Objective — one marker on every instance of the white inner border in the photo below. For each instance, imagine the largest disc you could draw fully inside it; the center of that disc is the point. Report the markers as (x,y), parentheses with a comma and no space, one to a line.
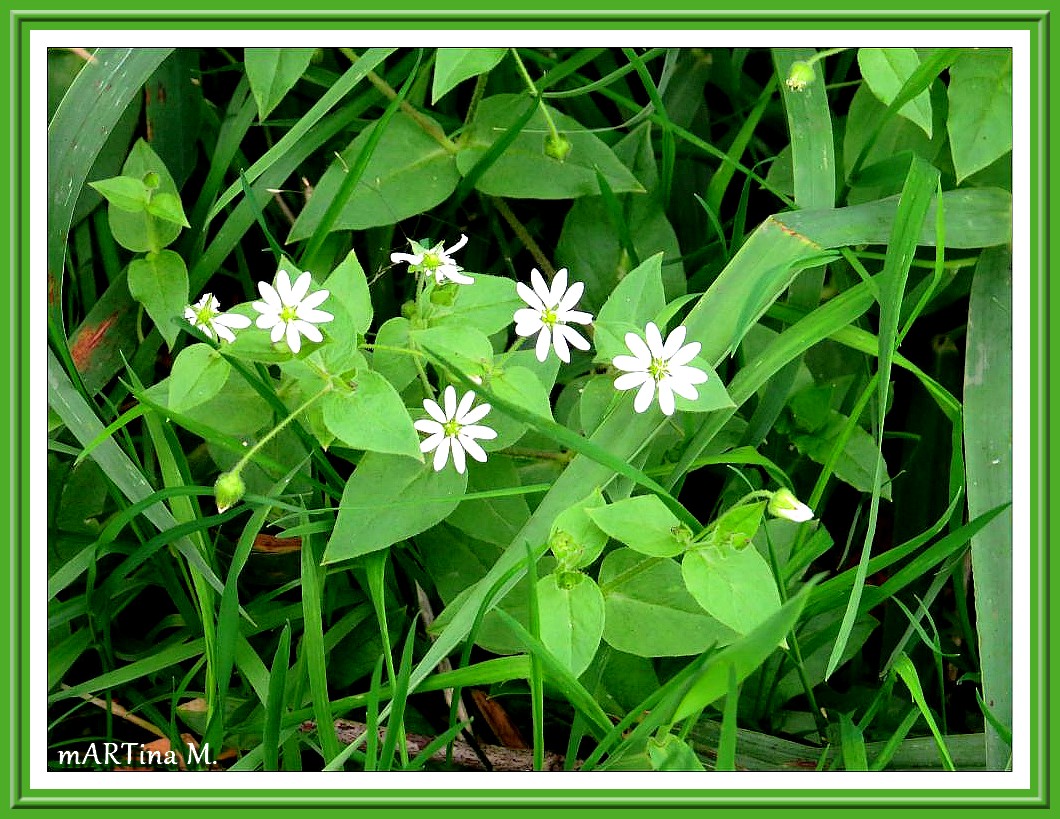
(1018,778)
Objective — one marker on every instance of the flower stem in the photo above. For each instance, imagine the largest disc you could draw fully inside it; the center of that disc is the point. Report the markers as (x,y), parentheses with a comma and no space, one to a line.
(250,453)
(534,92)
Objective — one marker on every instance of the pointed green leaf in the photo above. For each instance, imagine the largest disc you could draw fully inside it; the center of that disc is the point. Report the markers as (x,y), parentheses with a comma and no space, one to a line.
(636,300)
(575,532)
(571,612)
(126,193)
(348,285)
(390,498)
(135,230)
(454,65)
(735,585)
(886,71)
(199,372)
(371,417)
(168,207)
(980,117)
(273,72)
(643,523)
(159,281)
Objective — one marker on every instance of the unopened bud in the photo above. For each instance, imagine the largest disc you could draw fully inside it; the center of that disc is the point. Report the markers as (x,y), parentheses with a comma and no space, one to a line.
(557,147)
(800,75)
(228,490)
(784,504)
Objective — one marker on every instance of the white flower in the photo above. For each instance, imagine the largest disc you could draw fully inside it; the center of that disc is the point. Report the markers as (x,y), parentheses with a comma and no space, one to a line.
(783,504)
(289,311)
(549,312)
(454,429)
(436,260)
(207,316)
(659,365)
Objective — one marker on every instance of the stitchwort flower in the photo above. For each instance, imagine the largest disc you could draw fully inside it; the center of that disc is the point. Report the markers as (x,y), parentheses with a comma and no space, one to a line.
(206,315)
(290,310)
(454,429)
(659,365)
(549,314)
(436,261)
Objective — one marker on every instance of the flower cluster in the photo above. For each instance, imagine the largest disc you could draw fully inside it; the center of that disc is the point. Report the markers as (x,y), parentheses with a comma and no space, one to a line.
(289,310)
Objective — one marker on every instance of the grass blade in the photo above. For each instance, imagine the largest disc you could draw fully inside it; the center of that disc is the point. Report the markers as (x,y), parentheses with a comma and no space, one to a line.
(274,706)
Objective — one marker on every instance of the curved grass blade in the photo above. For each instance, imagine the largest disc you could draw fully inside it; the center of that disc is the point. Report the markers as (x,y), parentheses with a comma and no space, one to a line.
(274,705)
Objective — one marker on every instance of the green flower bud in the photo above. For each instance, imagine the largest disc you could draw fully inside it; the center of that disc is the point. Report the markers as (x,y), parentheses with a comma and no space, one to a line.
(568,580)
(444,295)
(151,180)
(566,549)
(557,147)
(409,310)
(228,490)
(783,504)
(801,75)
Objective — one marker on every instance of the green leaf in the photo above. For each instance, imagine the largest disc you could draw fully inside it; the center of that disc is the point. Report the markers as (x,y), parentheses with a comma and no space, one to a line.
(167,207)
(587,540)
(519,386)
(199,372)
(672,754)
(273,72)
(571,611)
(348,285)
(737,526)
(489,305)
(857,462)
(886,70)
(126,193)
(636,300)
(141,232)
(466,347)
(494,520)
(988,450)
(980,116)
(372,417)
(648,611)
(734,585)
(398,367)
(644,524)
(454,65)
(159,281)
(524,170)
(409,172)
(711,394)
(390,498)
(742,657)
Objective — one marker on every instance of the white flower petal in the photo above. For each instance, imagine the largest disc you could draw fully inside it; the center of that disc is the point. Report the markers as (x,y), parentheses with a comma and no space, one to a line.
(315,299)
(638,348)
(631,380)
(459,461)
(530,297)
(540,288)
(685,354)
(432,442)
(267,320)
(559,343)
(270,297)
(465,404)
(283,287)
(472,448)
(449,397)
(682,388)
(674,341)
(654,339)
(629,363)
(308,330)
(411,259)
(223,332)
(294,341)
(574,317)
(666,397)
(479,431)
(315,316)
(191,314)
(644,395)
(559,286)
(441,454)
(278,330)
(233,320)
(452,272)
(428,425)
(571,297)
(458,245)
(475,415)
(544,340)
(435,411)
(573,337)
(690,375)
(300,288)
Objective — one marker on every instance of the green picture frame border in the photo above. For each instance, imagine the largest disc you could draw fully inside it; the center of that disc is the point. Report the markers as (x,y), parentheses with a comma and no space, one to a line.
(554,15)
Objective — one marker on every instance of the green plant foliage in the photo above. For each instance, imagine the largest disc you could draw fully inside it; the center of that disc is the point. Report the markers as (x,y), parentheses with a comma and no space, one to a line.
(454,65)
(273,72)
(159,281)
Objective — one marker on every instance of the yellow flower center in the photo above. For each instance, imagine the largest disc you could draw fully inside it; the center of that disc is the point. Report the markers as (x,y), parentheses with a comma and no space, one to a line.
(431,260)
(658,369)
(288,314)
(451,428)
(549,317)
(204,316)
